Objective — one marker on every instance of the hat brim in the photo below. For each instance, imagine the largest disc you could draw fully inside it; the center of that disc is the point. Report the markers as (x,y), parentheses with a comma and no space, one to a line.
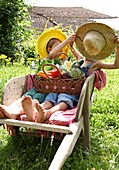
(105,30)
(43,39)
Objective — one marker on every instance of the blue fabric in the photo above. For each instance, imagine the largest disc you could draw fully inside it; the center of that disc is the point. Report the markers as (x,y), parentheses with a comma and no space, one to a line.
(35,95)
(55,98)
(86,68)
(52,97)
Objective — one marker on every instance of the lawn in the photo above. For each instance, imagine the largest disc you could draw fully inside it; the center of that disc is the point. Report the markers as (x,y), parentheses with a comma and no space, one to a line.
(28,153)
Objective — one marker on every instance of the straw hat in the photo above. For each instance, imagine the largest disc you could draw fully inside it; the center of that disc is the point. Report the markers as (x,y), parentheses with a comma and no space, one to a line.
(43,39)
(95,41)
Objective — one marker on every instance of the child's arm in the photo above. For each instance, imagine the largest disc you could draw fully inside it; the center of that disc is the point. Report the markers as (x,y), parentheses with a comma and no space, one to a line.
(75,53)
(54,52)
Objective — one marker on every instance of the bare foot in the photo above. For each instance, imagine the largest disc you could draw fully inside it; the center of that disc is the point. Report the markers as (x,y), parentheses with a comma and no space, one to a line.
(35,101)
(8,112)
(41,113)
(2,115)
(29,108)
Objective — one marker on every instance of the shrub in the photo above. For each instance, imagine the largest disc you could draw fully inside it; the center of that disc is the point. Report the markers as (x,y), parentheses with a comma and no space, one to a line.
(14,27)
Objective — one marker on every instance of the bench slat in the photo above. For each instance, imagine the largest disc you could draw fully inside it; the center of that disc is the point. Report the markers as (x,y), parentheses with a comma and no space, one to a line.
(33,125)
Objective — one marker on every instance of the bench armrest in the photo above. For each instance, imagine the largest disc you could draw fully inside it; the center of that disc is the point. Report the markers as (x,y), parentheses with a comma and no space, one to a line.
(14,89)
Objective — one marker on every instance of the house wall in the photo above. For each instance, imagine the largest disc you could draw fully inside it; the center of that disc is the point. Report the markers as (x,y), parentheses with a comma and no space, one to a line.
(113,23)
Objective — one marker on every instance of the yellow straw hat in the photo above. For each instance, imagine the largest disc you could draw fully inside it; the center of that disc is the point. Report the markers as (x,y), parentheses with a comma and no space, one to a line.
(44,38)
(95,41)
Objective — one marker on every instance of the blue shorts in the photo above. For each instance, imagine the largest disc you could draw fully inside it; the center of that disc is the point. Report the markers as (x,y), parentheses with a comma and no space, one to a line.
(70,100)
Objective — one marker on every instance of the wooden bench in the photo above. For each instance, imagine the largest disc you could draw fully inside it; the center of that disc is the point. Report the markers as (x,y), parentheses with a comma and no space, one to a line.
(16,87)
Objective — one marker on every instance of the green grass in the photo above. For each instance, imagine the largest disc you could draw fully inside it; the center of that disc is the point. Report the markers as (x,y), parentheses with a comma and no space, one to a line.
(28,153)
(7,73)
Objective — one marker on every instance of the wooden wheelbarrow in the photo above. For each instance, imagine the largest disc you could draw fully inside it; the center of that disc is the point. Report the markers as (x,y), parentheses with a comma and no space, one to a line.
(16,87)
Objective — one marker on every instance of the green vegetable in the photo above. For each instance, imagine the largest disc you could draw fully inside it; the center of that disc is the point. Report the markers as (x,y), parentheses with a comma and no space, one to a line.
(77,63)
(76,72)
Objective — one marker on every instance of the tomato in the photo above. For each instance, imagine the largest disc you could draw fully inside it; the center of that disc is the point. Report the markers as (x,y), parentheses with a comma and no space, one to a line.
(54,73)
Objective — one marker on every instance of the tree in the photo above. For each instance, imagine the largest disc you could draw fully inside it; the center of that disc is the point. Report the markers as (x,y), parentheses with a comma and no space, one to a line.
(14,27)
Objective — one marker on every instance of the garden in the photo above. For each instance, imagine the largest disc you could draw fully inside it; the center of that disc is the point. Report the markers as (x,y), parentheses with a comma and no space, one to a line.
(33,153)
(17,56)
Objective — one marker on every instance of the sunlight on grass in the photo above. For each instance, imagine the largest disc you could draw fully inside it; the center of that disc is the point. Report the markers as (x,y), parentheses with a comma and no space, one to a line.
(9,72)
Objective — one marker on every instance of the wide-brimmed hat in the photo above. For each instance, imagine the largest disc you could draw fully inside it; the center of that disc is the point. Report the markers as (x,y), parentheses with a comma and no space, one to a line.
(95,41)
(44,38)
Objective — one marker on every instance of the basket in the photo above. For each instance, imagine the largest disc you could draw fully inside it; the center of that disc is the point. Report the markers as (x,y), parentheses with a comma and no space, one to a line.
(71,86)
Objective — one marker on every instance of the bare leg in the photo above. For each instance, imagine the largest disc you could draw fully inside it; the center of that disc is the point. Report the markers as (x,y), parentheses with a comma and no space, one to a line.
(16,103)
(62,106)
(13,110)
(29,109)
(2,115)
(9,112)
(47,105)
(45,114)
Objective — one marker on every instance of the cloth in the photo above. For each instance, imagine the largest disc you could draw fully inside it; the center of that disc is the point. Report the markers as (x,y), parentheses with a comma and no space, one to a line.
(29,82)
(100,79)
(31,90)
(62,118)
(86,68)
(55,98)
(35,95)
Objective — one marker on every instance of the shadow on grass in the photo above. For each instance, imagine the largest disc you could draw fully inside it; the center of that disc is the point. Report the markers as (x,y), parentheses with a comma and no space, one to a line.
(26,153)
(32,153)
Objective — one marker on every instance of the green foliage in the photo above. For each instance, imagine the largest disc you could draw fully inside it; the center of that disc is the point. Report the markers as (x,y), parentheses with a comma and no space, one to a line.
(15,28)
(45,61)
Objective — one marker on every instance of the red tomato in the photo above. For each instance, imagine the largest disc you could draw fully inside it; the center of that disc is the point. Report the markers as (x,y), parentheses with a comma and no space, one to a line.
(54,73)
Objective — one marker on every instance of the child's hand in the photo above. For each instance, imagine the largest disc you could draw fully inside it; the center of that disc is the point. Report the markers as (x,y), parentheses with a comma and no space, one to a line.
(116,40)
(71,39)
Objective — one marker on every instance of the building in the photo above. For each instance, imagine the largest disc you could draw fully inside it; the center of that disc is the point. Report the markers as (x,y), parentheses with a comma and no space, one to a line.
(65,16)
